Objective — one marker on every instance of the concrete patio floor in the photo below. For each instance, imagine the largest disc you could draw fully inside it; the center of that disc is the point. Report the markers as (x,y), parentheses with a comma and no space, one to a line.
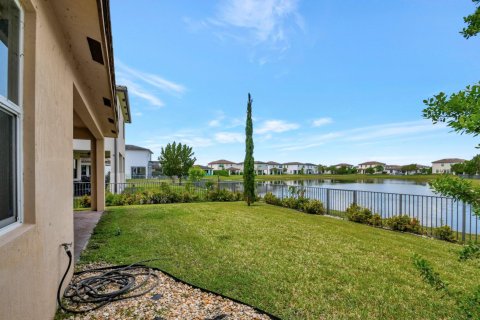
(83,224)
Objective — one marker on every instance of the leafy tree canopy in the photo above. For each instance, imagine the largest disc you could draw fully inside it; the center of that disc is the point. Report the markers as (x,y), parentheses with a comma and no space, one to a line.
(176,159)
(473,22)
(460,111)
(195,174)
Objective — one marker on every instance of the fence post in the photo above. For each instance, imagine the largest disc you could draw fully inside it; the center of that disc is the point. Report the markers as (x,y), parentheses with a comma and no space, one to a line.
(464,221)
(355,197)
(400,204)
(328,201)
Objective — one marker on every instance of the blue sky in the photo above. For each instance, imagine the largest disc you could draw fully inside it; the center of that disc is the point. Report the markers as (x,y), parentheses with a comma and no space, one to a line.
(332,81)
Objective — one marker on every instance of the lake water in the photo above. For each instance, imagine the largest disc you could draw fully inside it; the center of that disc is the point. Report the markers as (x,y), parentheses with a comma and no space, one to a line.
(376,185)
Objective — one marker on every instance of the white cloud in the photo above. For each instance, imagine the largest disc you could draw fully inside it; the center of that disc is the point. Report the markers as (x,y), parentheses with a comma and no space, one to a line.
(321,122)
(276,126)
(150,78)
(393,130)
(266,20)
(138,114)
(136,90)
(264,26)
(386,132)
(229,137)
(217,121)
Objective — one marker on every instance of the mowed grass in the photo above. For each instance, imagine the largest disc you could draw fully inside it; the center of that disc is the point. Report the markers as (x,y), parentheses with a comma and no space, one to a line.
(294,265)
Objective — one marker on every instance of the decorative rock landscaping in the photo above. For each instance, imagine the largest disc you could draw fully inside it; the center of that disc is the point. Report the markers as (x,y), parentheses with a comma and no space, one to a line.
(171,299)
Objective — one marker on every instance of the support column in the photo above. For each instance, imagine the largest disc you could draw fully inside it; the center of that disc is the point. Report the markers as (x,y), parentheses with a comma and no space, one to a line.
(97,177)
(79,168)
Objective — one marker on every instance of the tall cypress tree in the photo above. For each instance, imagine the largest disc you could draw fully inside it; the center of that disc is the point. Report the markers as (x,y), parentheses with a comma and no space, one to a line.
(248,165)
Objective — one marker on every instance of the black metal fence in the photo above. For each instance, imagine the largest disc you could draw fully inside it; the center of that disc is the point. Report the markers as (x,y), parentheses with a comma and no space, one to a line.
(431,211)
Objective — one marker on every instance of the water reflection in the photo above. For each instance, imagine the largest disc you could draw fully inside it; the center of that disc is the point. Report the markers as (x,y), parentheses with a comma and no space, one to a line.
(377,185)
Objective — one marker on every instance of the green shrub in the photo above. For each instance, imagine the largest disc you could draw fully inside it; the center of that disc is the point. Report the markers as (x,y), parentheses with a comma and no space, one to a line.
(444,233)
(376,220)
(358,214)
(404,223)
(470,251)
(428,274)
(209,185)
(270,198)
(222,173)
(289,202)
(85,202)
(314,207)
(223,195)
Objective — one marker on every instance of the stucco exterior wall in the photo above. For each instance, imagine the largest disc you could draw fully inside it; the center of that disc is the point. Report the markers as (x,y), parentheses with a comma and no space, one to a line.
(136,158)
(442,167)
(31,258)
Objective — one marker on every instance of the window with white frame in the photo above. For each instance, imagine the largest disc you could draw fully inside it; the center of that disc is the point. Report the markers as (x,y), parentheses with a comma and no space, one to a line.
(10,112)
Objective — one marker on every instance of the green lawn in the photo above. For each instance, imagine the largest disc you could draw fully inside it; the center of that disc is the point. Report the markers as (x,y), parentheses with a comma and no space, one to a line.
(294,265)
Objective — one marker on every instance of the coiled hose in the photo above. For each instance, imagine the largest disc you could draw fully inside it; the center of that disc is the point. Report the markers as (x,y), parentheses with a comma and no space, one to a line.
(104,285)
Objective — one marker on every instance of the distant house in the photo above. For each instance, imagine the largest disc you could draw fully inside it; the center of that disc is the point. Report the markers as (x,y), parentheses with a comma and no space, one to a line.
(294,167)
(310,168)
(445,165)
(343,165)
(362,167)
(393,169)
(155,169)
(222,164)
(137,162)
(274,167)
(208,170)
(233,171)
(260,167)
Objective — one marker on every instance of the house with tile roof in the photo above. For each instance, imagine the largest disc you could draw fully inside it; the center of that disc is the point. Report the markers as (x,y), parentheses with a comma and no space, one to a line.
(445,165)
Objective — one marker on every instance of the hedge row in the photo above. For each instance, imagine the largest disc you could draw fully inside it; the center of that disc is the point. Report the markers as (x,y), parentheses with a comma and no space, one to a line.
(401,222)
(164,195)
(300,203)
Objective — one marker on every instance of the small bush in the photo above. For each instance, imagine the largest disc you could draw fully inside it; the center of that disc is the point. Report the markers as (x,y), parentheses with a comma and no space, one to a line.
(444,233)
(209,185)
(223,195)
(428,274)
(358,214)
(289,202)
(314,207)
(270,198)
(376,220)
(85,202)
(222,173)
(470,251)
(404,223)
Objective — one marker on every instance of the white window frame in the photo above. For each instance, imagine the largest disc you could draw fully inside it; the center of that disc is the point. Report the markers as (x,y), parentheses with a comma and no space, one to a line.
(17,111)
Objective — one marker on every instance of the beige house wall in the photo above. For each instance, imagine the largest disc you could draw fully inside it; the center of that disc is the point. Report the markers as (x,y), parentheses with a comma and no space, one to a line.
(32,260)
(441,168)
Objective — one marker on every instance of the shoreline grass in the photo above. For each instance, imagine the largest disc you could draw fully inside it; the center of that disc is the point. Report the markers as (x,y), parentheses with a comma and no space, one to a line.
(294,265)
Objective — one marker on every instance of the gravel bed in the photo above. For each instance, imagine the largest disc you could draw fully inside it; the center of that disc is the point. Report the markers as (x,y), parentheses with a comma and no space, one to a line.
(170,300)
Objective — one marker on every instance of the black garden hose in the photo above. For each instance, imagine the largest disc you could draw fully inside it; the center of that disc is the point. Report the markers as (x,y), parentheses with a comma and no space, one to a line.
(89,291)
(105,285)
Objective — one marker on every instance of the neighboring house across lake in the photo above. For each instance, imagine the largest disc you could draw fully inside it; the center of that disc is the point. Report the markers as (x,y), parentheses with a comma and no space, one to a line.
(310,168)
(362,167)
(208,171)
(344,165)
(274,167)
(137,162)
(445,165)
(293,167)
(222,164)
(393,169)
